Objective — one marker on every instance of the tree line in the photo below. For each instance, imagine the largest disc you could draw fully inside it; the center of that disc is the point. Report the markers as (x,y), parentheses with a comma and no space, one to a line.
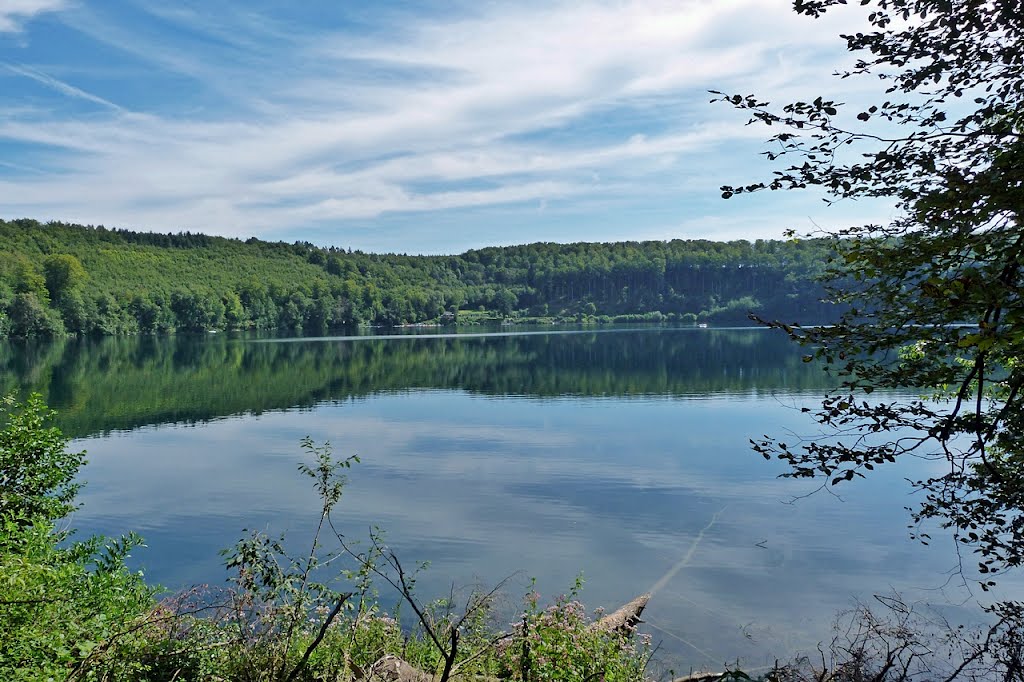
(58,278)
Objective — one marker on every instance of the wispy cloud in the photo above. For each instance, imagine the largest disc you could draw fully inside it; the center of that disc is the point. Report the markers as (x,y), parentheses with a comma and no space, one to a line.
(247,129)
(59,85)
(14,13)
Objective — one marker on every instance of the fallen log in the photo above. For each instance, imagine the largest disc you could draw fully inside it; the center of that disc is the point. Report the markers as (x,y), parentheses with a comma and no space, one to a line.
(625,619)
(701,677)
(621,621)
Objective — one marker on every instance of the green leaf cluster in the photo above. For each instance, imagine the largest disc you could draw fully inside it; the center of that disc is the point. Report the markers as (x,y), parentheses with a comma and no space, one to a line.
(67,609)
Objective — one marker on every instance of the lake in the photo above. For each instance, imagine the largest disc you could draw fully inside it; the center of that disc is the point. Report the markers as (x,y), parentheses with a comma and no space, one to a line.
(621,454)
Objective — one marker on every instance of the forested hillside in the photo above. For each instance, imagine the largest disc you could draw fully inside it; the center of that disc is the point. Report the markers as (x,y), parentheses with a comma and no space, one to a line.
(57,279)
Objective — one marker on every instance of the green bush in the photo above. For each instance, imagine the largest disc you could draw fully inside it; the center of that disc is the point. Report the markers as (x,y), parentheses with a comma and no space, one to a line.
(36,470)
(559,643)
(68,610)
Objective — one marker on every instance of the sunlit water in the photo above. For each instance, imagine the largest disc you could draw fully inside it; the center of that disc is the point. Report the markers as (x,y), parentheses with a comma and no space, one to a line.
(621,454)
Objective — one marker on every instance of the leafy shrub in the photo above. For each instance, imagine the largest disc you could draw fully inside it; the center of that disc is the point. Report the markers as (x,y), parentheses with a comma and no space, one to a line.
(67,610)
(36,470)
(560,643)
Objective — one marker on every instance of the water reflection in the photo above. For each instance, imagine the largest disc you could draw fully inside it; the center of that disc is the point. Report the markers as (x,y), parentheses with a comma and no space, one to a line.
(623,455)
(101,385)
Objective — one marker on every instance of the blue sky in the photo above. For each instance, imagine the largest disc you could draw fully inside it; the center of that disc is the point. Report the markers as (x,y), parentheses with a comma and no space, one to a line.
(407,127)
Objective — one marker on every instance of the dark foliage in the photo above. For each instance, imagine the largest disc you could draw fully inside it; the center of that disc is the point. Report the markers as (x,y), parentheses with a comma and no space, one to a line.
(936,298)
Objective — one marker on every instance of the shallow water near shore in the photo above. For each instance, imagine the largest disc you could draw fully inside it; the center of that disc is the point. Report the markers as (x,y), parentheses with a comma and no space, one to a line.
(622,454)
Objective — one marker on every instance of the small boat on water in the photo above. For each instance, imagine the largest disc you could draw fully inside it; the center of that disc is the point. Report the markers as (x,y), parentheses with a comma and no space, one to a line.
(703,325)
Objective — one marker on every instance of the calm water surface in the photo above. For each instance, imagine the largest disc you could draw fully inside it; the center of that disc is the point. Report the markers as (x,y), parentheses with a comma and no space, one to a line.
(621,454)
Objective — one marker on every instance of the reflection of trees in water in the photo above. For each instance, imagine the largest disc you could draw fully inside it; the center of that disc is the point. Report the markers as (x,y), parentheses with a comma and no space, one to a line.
(100,385)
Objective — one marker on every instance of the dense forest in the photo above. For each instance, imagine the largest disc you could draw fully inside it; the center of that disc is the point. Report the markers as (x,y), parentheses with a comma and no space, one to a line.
(58,279)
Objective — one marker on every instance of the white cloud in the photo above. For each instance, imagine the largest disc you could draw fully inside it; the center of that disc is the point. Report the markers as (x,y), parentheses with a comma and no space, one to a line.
(14,13)
(514,105)
(60,86)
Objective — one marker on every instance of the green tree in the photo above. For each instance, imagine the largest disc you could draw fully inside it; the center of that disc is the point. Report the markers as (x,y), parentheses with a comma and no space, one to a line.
(73,311)
(64,274)
(197,312)
(505,301)
(64,277)
(36,470)
(30,318)
(146,313)
(334,266)
(68,611)
(293,312)
(27,280)
(234,312)
(934,300)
